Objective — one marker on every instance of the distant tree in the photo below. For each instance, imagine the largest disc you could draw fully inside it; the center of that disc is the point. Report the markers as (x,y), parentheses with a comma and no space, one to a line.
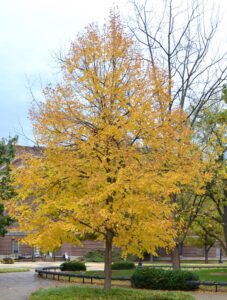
(211,130)
(7,154)
(177,37)
(188,205)
(204,230)
(5,221)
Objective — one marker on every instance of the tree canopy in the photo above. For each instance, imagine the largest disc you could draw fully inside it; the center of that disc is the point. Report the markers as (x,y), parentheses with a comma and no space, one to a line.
(112,153)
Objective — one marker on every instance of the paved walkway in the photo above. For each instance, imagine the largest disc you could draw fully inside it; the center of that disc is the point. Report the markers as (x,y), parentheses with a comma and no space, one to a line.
(18,286)
(29,265)
(40,264)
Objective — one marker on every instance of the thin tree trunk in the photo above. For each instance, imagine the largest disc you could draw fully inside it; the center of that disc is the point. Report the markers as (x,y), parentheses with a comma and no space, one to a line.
(206,252)
(108,260)
(176,257)
(225,227)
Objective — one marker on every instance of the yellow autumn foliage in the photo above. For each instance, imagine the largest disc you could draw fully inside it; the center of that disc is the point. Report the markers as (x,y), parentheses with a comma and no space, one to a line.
(112,153)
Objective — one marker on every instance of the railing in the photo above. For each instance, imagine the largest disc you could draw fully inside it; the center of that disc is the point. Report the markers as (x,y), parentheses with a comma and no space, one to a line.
(57,275)
(210,283)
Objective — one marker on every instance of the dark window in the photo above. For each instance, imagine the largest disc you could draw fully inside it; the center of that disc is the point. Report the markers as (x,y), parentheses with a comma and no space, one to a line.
(15,247)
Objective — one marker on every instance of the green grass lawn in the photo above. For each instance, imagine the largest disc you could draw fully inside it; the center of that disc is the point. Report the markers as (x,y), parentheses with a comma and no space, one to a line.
(201,262)
(204,274)
(189,261)
(85,293)
(212,274)
(12,270)
(187,264)
(115,273)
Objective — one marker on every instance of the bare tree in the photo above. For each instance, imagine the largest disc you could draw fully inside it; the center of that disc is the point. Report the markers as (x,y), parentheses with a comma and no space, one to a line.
(180,37)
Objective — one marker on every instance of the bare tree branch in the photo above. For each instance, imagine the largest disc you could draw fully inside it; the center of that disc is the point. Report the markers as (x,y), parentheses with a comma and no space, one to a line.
(180,40)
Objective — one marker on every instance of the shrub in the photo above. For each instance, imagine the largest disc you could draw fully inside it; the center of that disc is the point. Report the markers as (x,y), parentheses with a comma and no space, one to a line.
(116,256)
(99,255)
(81,259)
(7,260)
(123,265)
(73,266)
(160,279)
(95,256)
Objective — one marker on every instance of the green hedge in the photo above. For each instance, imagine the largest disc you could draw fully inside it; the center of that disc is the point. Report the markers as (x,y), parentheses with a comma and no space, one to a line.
(73,266)
(159,279)
(94,256)
(99,255)
(123,265)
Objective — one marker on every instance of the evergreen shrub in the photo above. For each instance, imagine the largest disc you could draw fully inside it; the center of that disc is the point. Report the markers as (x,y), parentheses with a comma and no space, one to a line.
(73,266)
(159,279)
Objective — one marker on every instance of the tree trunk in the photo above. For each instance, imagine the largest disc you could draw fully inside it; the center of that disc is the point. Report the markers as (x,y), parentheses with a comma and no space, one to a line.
(176,257)
(108,260)
(206,252)
(225,227)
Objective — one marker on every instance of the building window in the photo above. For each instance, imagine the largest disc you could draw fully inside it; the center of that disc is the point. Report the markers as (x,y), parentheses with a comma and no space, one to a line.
(15,247)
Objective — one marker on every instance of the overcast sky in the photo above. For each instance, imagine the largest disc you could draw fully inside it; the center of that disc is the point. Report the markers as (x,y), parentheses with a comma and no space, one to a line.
(31,31)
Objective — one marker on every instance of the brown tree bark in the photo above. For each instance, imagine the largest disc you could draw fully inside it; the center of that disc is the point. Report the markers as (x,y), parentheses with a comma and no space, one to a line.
(176,257)
(225,228)
(206,252)
(108,260)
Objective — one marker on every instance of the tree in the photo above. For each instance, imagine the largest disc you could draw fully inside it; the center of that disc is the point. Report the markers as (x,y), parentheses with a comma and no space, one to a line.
(5,221)
(178,38)
(7,153)
(204,231)
(188,206)
(112,154)
(212,136)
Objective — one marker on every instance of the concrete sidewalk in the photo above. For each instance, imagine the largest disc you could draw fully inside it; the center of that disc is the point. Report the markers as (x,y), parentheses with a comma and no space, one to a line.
(29,265)
(18,286)
(40,264)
